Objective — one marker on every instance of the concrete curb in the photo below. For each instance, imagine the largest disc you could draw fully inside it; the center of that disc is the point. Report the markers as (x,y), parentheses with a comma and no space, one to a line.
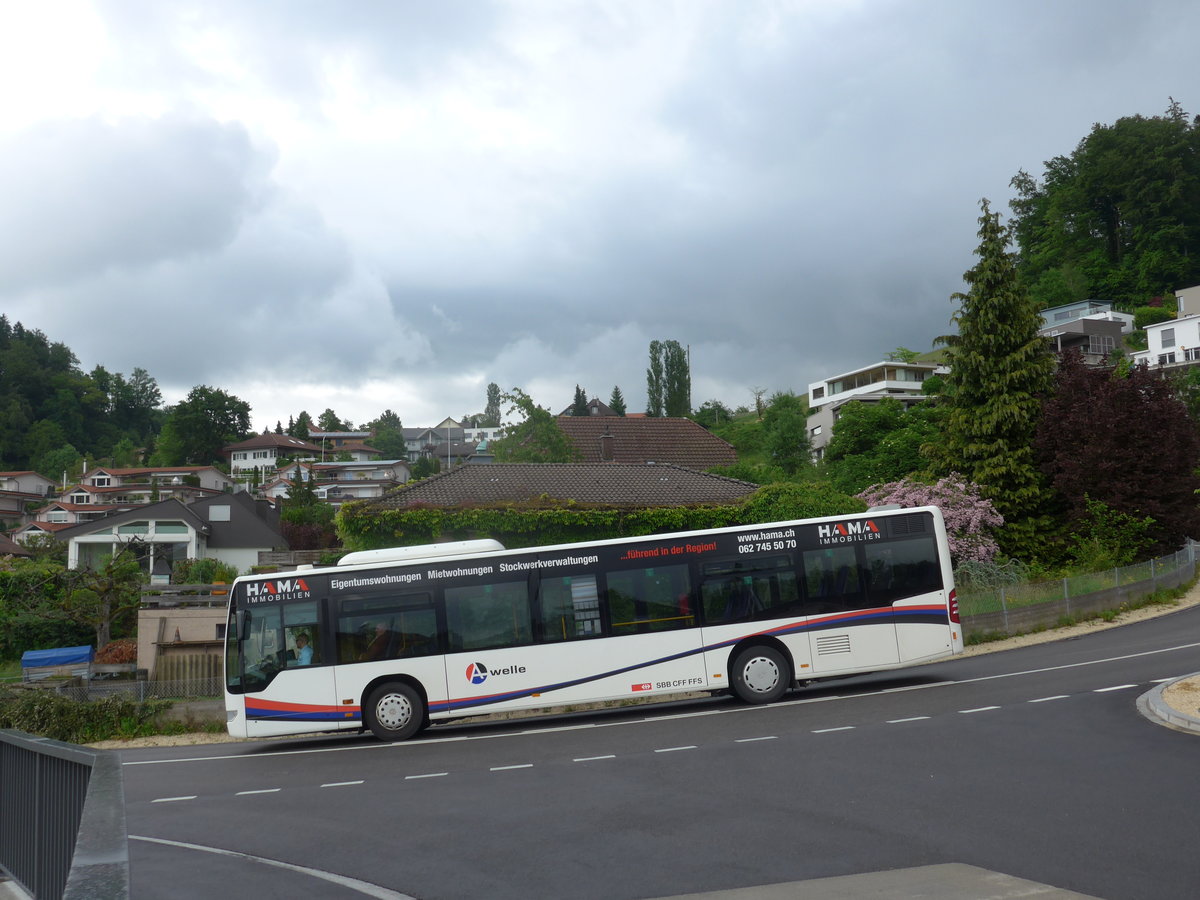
(1151,706)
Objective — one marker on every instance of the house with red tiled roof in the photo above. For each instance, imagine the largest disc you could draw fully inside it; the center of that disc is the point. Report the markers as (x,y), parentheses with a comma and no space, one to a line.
(622,439)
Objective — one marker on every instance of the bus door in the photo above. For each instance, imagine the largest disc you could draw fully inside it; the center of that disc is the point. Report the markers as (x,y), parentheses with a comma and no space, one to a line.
(849,628)
(285,666)
(906,575)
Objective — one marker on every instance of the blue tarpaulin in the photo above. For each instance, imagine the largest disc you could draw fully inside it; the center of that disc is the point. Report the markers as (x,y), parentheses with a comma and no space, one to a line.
(59,656)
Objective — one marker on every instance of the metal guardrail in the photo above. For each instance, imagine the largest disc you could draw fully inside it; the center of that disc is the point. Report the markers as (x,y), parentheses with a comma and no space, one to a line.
(62,819)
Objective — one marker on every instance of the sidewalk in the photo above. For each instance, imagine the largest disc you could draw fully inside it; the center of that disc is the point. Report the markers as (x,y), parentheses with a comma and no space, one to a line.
(1175,704)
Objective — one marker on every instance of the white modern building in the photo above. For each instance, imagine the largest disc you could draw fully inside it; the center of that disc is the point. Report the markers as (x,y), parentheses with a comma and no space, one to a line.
(870,384)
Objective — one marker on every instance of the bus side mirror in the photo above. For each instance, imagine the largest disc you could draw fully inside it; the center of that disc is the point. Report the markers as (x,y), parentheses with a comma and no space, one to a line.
(241,624)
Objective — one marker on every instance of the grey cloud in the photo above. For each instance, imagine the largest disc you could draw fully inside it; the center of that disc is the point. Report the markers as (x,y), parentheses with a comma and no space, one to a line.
(84,196)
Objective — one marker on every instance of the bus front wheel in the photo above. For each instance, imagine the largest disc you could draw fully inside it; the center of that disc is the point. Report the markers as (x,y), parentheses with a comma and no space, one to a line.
(760,675)
(395,712)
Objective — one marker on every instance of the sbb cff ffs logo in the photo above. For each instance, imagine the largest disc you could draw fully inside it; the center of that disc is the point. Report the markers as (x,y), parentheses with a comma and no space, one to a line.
(848,532)
(477,672)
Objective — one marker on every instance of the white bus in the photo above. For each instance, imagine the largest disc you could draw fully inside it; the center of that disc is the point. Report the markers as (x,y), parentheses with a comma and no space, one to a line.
(394,640)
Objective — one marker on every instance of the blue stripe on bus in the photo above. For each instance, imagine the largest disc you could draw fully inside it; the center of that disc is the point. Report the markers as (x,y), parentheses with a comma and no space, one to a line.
(865,617)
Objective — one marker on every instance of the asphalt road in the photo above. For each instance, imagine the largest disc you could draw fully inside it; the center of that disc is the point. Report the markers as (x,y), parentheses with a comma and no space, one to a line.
(1031,762)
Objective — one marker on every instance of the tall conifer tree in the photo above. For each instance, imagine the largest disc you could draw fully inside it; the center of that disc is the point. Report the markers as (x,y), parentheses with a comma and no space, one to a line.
(1000,370)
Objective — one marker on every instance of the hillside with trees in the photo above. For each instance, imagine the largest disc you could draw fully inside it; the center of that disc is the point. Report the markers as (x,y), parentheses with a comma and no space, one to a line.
(1118,218)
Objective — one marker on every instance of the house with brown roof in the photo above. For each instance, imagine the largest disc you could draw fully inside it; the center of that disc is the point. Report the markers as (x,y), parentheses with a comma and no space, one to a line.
(624,485)
(622,439)
(263,452)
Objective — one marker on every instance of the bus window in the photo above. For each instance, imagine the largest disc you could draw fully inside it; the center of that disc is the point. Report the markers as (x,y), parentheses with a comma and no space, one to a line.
(655,599)
(393,627)
(262,650)
(488,615)
(300,619)
(832,580)
(569,608)
(900,569)
(744,589)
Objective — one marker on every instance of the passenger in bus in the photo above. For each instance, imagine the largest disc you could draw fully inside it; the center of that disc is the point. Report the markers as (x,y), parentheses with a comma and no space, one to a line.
(377,649)
(304,653)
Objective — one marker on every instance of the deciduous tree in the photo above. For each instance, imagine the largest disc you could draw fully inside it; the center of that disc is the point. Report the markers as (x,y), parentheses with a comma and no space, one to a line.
(1122,438)
(785,424)
(536,437)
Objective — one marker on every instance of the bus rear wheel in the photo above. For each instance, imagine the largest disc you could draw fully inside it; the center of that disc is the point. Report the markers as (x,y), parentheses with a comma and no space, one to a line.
(760,675)
(394,712)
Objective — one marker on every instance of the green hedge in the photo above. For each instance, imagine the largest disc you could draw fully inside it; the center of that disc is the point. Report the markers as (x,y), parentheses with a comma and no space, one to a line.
(45,713)
(366,526)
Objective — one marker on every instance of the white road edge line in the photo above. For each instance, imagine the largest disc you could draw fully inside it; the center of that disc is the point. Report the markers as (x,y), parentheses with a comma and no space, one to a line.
(1116,687)
(414,745)
(363,887)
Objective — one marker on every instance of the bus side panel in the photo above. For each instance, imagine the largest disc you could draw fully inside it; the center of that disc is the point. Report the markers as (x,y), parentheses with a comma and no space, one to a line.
(719,641)
(354,679)
(582,671)
(923,628)
(856,640)
(297,701)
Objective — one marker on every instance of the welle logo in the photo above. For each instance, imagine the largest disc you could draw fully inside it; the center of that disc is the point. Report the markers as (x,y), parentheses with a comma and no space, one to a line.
(477,672)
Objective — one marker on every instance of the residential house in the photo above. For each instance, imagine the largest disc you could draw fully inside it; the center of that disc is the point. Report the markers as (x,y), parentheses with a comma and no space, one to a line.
(27,483)
(1090,326)
(9,547)
(337,482)
(901,381)
(661,441)
(233,528)
(1175,342)
(18,490)
(1095,310)
(463,441)
(262,453)
(625,485)
(594,408)
(109,486)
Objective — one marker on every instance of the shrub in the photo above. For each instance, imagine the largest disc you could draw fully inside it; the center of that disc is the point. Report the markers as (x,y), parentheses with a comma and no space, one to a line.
(970,519)
(45,713)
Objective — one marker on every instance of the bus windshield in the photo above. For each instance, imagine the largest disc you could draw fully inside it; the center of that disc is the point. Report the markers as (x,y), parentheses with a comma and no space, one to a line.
(267,638)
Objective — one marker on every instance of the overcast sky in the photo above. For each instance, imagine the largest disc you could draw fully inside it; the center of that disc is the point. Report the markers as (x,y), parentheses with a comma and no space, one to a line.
(360,206)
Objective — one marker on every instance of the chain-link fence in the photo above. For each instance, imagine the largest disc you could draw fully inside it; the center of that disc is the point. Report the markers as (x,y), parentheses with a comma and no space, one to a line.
(192,689)
(1019,608)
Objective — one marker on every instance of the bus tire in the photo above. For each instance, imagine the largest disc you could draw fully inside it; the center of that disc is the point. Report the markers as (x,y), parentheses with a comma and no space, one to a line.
(760,674)
(394,711)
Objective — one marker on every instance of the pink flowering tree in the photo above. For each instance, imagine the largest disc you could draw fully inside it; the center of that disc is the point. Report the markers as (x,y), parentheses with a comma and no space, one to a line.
(970,519)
